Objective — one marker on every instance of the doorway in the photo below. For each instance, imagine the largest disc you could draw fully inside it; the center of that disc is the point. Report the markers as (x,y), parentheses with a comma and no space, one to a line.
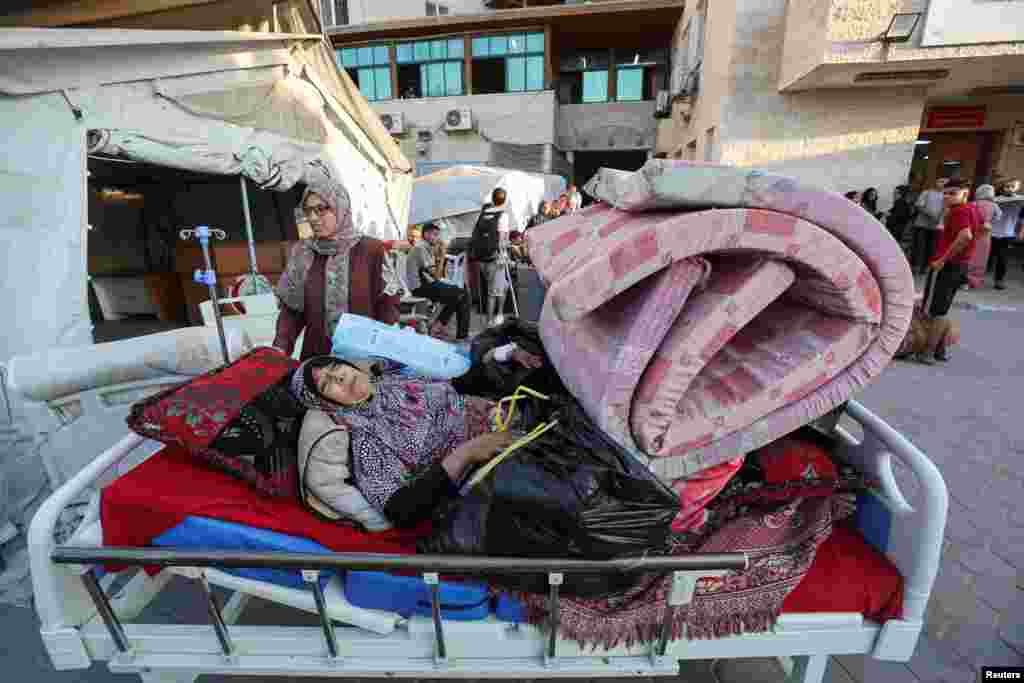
(970,156)
(586,165)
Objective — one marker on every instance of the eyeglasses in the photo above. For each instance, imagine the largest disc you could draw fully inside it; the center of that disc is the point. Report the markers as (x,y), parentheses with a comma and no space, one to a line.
(318,210)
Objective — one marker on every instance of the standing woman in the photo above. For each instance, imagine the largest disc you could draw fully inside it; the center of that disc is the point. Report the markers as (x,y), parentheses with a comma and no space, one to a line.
(338,271)
(984,200)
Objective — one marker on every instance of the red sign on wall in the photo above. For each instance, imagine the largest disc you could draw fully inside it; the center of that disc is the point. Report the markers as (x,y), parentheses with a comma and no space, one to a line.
(956,117)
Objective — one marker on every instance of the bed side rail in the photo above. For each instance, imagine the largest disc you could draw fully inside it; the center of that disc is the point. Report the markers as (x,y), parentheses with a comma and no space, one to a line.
(910,534)
(686,571)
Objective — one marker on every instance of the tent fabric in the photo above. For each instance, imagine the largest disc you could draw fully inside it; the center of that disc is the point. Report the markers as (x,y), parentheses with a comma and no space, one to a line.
(224,103)
(458,193)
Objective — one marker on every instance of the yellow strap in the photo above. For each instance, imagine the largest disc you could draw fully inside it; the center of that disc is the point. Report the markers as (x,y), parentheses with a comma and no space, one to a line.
(486,469)
(522,391)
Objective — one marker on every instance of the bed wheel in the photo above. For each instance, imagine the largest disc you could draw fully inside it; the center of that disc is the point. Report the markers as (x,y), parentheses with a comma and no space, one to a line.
(808,669)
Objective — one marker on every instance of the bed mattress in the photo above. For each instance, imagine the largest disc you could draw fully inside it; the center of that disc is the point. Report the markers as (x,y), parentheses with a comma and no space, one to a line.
(173,500)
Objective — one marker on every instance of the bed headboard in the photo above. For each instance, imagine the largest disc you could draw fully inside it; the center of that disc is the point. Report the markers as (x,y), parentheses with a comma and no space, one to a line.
(74,400)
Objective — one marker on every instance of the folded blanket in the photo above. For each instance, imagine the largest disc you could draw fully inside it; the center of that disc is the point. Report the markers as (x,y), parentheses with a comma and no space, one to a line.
(750,307)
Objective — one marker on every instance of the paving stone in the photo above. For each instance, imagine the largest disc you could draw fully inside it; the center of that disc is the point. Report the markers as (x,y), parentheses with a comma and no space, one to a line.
(1002,654)
(996,581)
(977,634)
(935,661)
(961,529)
(835,673)
(749,670)
(863,669)
(1011,624)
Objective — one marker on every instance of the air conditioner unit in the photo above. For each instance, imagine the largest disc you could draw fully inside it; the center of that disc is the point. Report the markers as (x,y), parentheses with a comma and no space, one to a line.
(394,122)
(663,106)
(458,119)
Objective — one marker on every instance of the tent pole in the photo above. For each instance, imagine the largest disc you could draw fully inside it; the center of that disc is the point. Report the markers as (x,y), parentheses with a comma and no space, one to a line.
(248,225)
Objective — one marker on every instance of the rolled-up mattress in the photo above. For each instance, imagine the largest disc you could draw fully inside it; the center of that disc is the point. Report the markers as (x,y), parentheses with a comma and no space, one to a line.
(700,312)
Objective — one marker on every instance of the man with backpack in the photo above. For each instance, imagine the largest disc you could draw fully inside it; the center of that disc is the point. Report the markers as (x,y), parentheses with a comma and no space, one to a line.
(488,247)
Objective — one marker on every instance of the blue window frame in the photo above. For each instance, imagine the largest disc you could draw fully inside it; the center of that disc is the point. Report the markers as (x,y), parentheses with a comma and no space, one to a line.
(430,68)
(369,67)
(518,56)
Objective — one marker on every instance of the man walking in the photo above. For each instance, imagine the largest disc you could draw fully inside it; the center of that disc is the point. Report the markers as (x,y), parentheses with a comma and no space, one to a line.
(422,281)
(948,267)
(928,225)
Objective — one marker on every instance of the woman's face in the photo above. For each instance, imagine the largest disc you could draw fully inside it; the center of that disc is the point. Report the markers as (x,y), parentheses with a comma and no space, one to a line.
(870,195)
(322,218)
(342,384)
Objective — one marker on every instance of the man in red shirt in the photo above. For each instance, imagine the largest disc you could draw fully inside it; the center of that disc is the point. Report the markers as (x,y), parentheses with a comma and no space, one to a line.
(948,266)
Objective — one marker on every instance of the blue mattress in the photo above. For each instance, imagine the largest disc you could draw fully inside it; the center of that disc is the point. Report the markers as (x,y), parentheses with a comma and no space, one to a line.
(205,533)
(405,595)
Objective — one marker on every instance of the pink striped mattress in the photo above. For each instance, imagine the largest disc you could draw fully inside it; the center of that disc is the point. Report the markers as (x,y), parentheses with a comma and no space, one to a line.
(700,312)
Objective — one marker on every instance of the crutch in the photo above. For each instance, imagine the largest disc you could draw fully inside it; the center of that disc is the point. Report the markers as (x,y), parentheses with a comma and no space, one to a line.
(511,286)
(209,277)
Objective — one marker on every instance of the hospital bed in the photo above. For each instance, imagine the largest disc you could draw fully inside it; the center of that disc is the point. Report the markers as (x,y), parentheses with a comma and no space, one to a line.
(80,624)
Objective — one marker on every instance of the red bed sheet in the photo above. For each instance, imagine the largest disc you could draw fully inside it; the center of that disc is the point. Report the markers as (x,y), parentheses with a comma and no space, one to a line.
(848,575)
(172,485)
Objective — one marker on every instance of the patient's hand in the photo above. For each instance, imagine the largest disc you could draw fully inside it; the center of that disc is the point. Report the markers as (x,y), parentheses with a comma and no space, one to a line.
(527,359)
(476,452)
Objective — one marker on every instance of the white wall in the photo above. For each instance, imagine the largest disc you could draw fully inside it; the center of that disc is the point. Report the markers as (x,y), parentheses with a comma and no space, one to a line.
(525,119)
(364,11)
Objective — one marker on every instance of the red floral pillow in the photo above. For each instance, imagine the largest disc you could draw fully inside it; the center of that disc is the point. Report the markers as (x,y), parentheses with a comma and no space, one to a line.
(195,413)
(796,466)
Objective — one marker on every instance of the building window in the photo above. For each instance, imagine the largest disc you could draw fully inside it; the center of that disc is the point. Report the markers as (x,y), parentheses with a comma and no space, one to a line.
(369,67)
(640,73)
(334,12)
(435,9)
(430,68)
(508,63)
(584,77)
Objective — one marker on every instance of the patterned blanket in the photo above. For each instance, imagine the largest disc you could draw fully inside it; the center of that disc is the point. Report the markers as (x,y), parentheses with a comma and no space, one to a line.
(778,508)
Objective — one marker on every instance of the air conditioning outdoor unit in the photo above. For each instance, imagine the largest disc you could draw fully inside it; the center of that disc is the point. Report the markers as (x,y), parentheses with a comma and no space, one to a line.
(394,122)
(458,119)
(663,106)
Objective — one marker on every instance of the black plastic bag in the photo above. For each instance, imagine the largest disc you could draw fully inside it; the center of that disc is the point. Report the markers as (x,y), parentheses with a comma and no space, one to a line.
(572,493)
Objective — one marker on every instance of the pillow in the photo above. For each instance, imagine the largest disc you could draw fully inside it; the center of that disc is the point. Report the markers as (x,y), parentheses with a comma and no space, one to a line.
(325,485)
(796,466)
(240,401)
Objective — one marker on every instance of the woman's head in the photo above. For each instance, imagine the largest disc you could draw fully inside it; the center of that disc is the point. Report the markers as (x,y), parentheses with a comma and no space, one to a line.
(328,208)
(870,195)
(330,380)
(1010,186)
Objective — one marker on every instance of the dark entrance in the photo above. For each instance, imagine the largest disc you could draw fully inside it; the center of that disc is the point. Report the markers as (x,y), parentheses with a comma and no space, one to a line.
(586,164)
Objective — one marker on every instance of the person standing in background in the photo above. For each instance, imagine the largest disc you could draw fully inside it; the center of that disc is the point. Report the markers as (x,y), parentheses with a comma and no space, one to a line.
(901,213)
(1007,227)
(869,200)
(575,199)
(988,212)
(928,224)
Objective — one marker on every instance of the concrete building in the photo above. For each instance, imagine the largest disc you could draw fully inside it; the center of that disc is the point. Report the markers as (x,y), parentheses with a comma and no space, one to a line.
(335,13)
(823,89)
(559,87)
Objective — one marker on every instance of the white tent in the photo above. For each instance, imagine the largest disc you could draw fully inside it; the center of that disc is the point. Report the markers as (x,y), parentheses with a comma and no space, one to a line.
(267,106)
(457,194)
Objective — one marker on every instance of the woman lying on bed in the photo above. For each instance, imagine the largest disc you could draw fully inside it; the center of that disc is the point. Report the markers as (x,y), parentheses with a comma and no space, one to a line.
(413,440)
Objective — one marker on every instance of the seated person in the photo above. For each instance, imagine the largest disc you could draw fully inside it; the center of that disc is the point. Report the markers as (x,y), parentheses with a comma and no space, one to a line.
(413,440)
(422,281)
